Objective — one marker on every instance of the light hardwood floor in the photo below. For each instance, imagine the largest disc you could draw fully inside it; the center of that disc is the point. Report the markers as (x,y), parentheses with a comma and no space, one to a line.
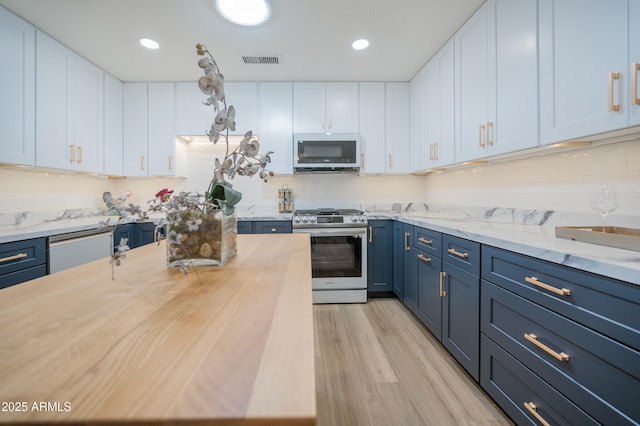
(377,365)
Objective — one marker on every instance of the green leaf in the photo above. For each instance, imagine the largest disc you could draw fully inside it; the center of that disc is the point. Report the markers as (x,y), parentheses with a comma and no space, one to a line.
(224,196)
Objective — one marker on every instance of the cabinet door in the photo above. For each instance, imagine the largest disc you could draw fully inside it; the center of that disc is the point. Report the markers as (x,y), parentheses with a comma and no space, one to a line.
(17,85)
(245,227)
(379,256)
(309,107)
(418,160)
(461,317)
(372,129)
(634,61)
(135,129)
(428,301)
(113,104)
(398,259)
(125,230)
(410,268)
(472,86)
(145,233)
(192,116)
(161,129)
(342,108)
(578,51)
(55,145)
(244,98)
(398,137)
(513,70)
(88,119)
(272,227)
(276,125)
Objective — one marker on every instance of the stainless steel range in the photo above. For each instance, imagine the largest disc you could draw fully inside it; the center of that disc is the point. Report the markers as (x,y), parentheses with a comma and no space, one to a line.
(338,253)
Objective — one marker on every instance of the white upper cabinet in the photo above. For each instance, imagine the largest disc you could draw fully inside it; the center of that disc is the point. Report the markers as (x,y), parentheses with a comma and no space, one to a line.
(193,118)
(17,86)
(276,125)
(113,114)
(135,159)
(372,127)
(416,107)
(398,132)
(244,98)
(325,107)
(584,67)
(163,159)
(88,117)
(438,115)
(634,60)
(496,80)
(55,145)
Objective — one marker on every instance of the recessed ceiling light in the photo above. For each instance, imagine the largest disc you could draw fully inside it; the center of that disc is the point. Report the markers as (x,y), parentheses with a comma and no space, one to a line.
(360,44)
(244,12)
(149,44)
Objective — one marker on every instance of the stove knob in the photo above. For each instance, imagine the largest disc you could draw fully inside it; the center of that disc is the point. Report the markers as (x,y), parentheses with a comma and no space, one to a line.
(305,220)
(296,219)
(312,219)
(363,219)
(354,218)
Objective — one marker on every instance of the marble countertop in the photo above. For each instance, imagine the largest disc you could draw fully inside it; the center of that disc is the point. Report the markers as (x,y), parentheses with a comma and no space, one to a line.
(534,240)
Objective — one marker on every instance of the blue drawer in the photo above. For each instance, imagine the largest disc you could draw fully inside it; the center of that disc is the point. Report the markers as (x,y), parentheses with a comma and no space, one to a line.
(609,306)
(245,227)
(22,275)
(599,374)
(462,253)
(428,241)
(19,255)
(514,387)
(272,227)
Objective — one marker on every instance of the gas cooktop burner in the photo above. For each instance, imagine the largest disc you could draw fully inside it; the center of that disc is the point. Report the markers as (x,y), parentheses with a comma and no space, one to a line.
(329,217)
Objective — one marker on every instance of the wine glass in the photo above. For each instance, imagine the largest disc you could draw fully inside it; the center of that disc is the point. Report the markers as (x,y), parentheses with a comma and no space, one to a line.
(604,199)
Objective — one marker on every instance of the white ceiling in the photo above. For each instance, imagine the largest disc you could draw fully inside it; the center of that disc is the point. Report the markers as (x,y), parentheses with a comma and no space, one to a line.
(313,37)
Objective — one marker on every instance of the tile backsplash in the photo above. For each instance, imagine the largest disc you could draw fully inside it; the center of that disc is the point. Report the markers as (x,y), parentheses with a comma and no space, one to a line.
(555,181)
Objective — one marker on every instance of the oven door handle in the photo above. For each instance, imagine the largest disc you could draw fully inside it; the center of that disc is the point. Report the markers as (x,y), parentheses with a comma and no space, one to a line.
(360,232)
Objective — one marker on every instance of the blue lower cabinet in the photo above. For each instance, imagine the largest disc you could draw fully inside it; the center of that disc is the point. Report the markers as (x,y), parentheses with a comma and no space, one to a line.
(272,227)
(428,300)
(524,396)
(22,261)
(379,256)
(398,259)
(245,227)
(124,231)
(145,233)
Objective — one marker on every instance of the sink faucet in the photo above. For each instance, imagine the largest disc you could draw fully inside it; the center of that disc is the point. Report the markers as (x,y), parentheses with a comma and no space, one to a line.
(406,209)
(20,216)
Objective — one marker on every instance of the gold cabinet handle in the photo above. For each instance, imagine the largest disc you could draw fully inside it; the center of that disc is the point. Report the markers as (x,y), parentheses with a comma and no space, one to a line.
(424,259)
(425,241)
(531,407)
(329,121)
(536,282)
(142,162)
(489,126)
(79,154)
(371,234)
(435,151)
(322,121)
(612,77)
(273,229)
(362,160)
(390,162)
(431,151)
(635,68)
(406,241)
(481,136)
(171,162)
(14,257)
(442,277)
(534,339)
(457,253)
(72,148)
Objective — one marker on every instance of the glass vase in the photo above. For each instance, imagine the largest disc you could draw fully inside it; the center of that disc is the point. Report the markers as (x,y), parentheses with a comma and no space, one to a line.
(202,238)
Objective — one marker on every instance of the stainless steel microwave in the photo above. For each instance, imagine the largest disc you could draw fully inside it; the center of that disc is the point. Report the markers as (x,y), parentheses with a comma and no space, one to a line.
(320,153)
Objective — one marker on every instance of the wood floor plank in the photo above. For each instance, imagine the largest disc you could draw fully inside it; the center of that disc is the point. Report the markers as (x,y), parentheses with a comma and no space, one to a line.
(376,364)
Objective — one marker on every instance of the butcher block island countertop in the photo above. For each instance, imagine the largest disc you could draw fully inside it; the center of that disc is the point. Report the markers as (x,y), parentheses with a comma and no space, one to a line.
(228,345)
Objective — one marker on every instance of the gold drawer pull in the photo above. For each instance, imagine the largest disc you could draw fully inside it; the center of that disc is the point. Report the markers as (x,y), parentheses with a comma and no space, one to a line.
(406,241)
(531,407)
(17,256)
(534,339)
(612,77)
(457,253)
(424,259)
(273,229)
(561,291)
(425,241)
(371,234)
(442,276)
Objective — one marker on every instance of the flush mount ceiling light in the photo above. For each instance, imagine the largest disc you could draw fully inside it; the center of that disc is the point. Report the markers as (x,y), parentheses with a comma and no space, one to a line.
(360,44)
(149,44)
(244,12)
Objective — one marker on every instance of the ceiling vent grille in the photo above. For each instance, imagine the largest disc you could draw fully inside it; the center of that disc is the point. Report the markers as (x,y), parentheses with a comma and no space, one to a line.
(260,59)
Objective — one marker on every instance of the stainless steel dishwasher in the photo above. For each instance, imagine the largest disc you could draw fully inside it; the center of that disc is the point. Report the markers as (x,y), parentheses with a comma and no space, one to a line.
(76,248)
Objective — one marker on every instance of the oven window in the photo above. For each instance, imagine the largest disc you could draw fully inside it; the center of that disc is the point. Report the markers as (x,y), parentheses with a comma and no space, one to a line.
(336,256)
